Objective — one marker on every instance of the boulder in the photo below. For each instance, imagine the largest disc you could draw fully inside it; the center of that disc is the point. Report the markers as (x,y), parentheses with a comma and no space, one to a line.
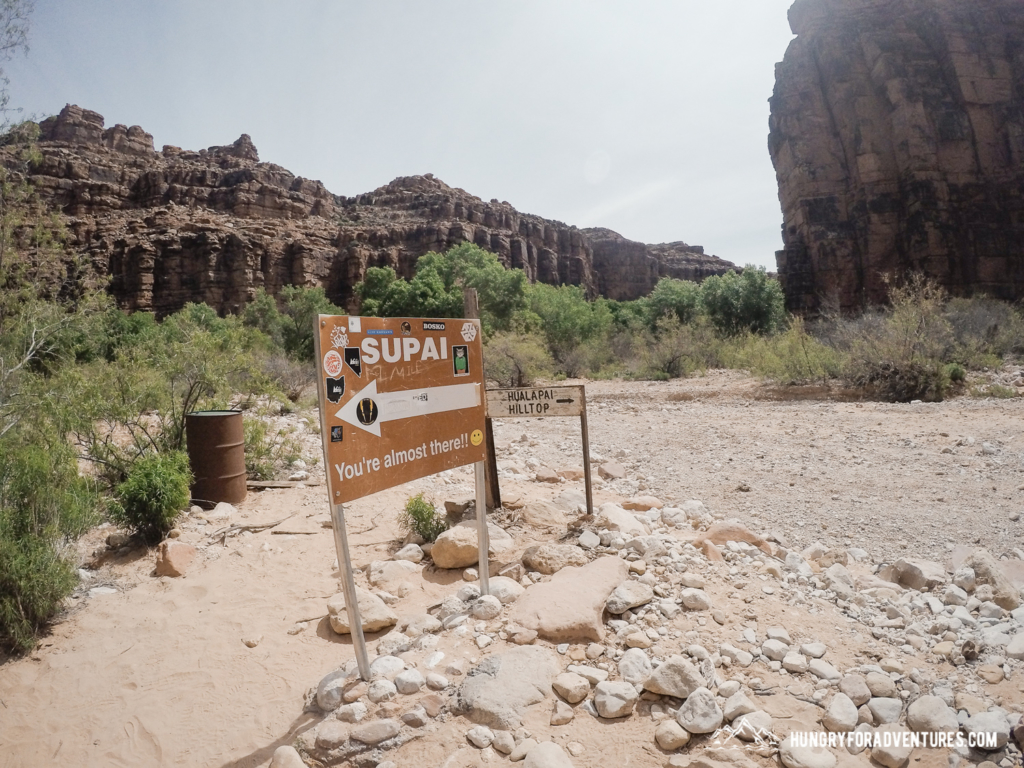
(457,547)
(376,731)
(642,503)
(571,687)
(670,735)
(286,757)
(615,518)
(629,594)
(674,677)
(174,557)
(993,723)
(922,575)
(498,690)
(988,571)
(931,714)
(388,574)
(700,712)
(634,666)
(794,756)
(544,514)
(374,614)
(730,530)
(611,470)
(615,699)
(841,715)
(891,752)
(505,589)
(551,558)
(569,607)
(547,754)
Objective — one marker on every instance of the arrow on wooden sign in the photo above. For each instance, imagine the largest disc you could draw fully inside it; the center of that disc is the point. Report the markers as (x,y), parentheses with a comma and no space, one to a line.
(368,409)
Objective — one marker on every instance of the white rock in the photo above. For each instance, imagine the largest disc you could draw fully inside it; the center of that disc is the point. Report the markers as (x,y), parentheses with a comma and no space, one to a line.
(436,682)
(629,594)
(930,714)
(670,735)
(381,690)
(505,589)
(700,712)
(794,662)
(775,650)
(793,756)
(589,540)
(615,699)
(674,677)
(480,736)
(634,666)
(374,614)
(814,650)
(989,723)
(824,670)
(409,681)
(571,687)
(895,754)
(386,666)
(695,599)
(736,705)
(841,715)
(752,725)
(486,608)
(885,710)
(547,754)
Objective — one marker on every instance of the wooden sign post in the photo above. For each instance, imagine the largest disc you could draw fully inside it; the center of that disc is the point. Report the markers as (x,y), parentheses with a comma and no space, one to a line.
(546,401)
(400,399)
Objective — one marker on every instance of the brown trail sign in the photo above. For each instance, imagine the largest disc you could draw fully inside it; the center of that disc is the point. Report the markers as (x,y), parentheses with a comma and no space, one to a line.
(400,399)
(546,401)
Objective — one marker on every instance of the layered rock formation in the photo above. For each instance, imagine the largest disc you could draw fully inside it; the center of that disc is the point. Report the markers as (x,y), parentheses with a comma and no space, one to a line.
(176,226)
(897,134)
(627,269)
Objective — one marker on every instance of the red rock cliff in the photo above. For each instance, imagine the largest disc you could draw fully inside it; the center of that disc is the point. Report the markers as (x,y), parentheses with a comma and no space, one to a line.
(176,226)
(897,134)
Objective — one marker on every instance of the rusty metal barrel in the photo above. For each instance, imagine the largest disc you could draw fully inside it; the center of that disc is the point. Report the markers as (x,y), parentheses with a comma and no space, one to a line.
(216,454)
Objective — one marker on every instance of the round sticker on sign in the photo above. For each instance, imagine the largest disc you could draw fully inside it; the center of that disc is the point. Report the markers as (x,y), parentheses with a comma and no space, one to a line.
(477,437)
(332,363)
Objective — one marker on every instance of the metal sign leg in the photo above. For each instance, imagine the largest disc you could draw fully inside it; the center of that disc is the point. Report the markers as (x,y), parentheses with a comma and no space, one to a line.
(586,459)
(483,536)
(349,587)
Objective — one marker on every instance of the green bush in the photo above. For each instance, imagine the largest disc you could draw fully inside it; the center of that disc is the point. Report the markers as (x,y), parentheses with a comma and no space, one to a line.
(740,302)
(44,506)
(153,495)
(793,357)
(516,360)
(421,518)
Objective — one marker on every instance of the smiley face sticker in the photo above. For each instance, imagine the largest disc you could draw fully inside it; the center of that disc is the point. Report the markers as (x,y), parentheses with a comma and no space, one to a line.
(477,437)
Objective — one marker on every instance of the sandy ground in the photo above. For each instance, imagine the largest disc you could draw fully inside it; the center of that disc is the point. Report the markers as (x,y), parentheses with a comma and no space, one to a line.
(156,672)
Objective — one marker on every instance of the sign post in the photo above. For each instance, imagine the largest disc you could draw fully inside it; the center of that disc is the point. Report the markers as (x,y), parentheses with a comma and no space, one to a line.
(400,399)
(546,401)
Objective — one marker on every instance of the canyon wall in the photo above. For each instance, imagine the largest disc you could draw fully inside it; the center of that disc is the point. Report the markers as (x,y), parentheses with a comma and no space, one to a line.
(897,135)
(173,226)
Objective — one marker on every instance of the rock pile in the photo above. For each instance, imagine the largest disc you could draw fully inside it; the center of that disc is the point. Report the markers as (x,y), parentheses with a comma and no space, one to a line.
(663,616)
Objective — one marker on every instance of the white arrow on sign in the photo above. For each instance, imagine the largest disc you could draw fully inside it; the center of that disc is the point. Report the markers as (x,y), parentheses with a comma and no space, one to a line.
(404,404)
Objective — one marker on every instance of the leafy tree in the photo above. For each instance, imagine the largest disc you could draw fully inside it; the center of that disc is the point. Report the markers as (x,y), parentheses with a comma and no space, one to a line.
(746,301)
(673,297)
(301,307)
(436,290)
(569,322)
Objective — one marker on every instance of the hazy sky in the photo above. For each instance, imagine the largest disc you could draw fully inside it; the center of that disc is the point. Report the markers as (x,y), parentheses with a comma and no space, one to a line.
(647,117)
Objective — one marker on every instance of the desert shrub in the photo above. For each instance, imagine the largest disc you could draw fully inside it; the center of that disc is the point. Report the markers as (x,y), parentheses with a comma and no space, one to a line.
(301,307)
(267,450)
(420,517)
(575,329)
(516,360)
(44,505)
(792,357)
(900,354)
(983,331)
(153,495)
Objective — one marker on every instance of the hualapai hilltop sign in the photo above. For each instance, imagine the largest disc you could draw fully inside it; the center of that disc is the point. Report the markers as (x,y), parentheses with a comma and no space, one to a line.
(402,398)
(539,401)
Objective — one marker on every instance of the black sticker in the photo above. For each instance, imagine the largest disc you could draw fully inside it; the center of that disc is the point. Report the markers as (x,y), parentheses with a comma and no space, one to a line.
(460,359)
(367,411)
(335,389)
(336,434)
(353,361)
(433,326)
(406,327)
